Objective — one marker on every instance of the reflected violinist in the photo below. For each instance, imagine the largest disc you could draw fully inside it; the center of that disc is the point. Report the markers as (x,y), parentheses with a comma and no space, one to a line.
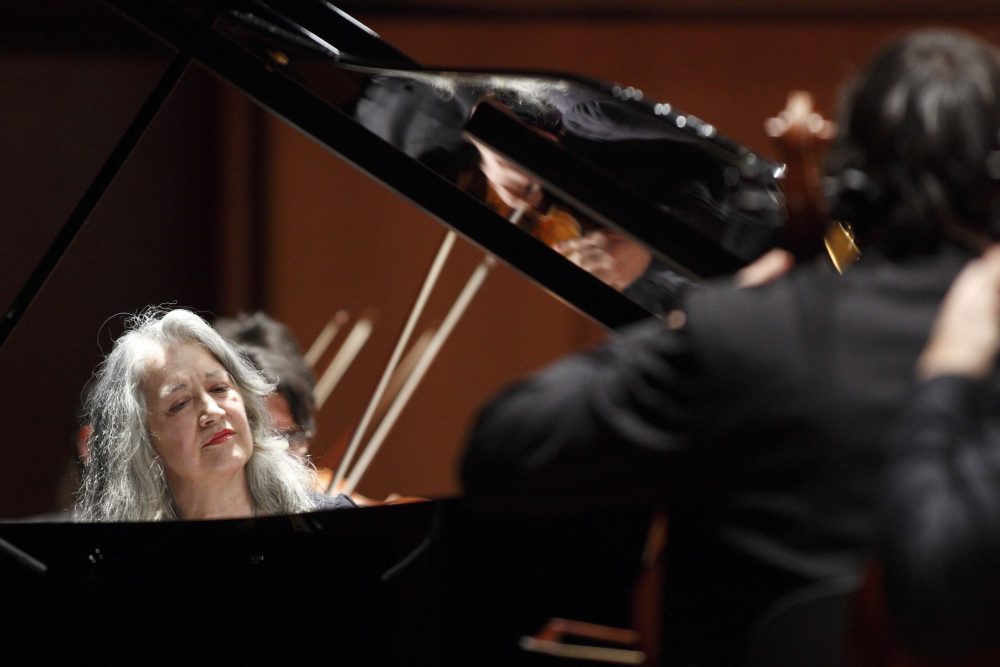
(611,256)
(693,177)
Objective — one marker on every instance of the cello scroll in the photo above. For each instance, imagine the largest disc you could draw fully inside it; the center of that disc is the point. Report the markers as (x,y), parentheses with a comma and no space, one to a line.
(802,137)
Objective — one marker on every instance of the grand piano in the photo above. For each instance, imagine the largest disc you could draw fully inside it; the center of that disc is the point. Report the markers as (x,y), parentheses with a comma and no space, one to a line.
(440,582)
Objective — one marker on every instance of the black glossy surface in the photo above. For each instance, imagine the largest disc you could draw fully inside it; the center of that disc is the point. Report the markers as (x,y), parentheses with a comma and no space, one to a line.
(406,126)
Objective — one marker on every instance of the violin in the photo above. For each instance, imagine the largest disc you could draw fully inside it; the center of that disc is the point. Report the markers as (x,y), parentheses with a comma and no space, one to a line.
(549,223)
(324,479)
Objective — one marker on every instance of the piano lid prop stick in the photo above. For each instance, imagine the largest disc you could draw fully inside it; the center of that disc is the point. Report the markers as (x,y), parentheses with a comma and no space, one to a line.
(342,361)
(324,338)
(418,307)
(440,336)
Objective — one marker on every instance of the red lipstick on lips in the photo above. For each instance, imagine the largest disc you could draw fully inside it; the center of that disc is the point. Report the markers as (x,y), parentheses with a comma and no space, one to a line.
(220,437)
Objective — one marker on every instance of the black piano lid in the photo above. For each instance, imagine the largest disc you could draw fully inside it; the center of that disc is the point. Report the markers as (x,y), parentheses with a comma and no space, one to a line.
(714,209)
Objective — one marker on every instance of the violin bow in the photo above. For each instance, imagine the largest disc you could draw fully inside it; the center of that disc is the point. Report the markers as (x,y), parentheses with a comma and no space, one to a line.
(461,303)
(325,337)
(418,307)
(341,361)
(472,285)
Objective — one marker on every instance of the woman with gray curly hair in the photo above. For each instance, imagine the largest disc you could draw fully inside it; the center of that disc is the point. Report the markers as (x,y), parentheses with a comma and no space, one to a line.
(181,431)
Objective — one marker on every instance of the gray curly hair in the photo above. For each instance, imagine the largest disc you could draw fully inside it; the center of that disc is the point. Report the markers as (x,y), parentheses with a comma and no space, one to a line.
(124,479)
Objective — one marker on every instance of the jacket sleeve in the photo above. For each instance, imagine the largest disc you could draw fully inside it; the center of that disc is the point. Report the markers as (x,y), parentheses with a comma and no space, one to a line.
(941,519)
(606,425)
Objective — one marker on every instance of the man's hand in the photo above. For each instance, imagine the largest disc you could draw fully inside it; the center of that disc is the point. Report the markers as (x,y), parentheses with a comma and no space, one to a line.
(966,335)
(770,266)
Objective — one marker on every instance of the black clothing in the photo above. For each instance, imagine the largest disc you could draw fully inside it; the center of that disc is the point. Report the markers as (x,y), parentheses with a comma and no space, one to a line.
(941,520)
(658,288)
(758,424)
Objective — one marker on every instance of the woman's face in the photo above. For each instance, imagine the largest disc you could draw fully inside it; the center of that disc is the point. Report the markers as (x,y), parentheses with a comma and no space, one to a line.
(195,415)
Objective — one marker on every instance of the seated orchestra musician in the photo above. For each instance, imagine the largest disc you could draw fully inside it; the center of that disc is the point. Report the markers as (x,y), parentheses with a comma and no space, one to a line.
(940,556)
(180,430)
(758,417)
(273,349)
(291,406)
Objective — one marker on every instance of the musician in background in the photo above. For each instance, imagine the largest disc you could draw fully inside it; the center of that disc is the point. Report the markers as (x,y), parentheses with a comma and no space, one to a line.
(758,417)
(273,349)
(941,512)
(261,330)
(180,430)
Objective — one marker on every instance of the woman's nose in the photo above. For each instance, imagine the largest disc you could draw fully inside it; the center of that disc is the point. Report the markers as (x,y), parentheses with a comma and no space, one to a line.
(211,410)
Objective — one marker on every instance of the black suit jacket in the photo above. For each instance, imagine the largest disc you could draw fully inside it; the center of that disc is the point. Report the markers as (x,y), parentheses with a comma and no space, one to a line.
(759,424)
(941,521)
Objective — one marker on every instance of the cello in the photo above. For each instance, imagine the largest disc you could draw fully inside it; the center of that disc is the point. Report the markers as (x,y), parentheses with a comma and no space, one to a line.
(802,136)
